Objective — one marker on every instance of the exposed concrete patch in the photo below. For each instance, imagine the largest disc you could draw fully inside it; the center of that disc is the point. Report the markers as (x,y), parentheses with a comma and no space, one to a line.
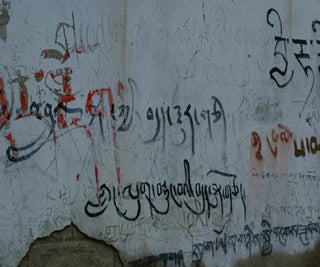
(70,247)
(310,258)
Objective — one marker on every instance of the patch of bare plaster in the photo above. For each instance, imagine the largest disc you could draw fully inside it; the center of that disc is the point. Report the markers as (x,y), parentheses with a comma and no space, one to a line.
(70,247)
(310,258)
(4,19)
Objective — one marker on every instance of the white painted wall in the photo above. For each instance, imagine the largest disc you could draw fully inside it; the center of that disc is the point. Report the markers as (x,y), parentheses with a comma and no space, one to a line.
(251,66)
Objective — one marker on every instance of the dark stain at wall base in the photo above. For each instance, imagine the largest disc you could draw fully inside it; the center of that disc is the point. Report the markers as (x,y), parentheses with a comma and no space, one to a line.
(70,247)
(162,260)
(310,258)
(198,264)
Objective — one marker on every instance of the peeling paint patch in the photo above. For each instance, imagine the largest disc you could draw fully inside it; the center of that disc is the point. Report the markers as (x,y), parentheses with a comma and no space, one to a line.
(4,19)
(70,247)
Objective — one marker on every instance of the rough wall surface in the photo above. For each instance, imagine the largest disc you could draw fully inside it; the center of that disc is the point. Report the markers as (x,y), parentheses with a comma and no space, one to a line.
(181,133)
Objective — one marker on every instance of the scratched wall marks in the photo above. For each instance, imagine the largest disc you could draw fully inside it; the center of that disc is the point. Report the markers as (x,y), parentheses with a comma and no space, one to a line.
(180,133)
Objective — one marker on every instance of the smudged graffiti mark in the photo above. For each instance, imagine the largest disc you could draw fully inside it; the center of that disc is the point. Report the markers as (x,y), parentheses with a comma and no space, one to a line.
(270,150)
(11,140)
(267,111)
(95,106)
(62,41)
(203,12)
(4,19)
(26,151)
(39,75)
(13,144)
(52,53)
(256,142)
(93,109)
(114,134)
(23,91)
(96,172)
(4,110)
(120,90)
(283,135)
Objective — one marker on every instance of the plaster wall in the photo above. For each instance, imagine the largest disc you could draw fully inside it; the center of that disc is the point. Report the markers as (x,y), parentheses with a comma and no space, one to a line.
(180,132)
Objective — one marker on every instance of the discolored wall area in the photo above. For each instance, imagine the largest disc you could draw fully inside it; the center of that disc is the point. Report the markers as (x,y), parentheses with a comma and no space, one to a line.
(159,133)
(310,258)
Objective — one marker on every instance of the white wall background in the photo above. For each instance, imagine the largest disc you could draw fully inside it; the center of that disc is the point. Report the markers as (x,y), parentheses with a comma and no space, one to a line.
(210,84)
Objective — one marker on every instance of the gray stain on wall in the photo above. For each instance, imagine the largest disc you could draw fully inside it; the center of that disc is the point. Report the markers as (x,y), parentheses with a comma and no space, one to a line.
(4,19)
